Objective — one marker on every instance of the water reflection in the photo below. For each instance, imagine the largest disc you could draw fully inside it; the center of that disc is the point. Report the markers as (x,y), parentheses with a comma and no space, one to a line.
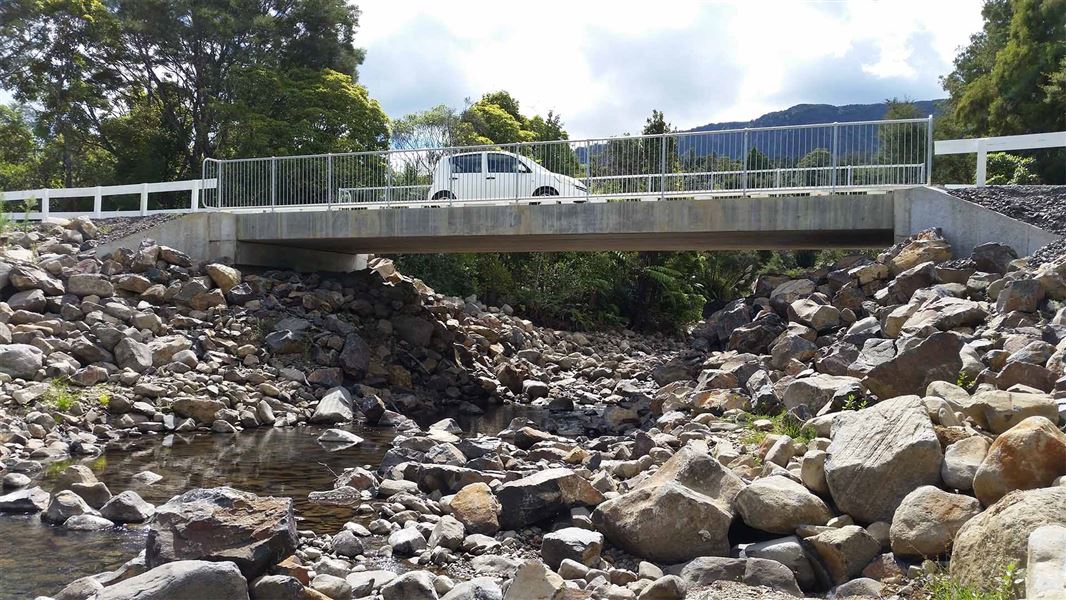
(37,558)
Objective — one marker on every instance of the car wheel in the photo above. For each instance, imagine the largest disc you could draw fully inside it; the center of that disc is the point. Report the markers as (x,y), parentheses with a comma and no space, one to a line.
(443,195)
(545,191)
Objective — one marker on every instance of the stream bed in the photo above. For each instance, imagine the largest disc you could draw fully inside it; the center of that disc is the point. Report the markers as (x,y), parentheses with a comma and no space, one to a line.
(39,559)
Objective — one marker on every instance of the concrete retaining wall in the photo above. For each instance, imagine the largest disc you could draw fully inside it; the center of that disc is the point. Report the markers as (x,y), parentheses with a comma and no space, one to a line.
(964,224)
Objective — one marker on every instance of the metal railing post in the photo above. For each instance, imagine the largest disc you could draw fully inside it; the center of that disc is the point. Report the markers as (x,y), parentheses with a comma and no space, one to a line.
(273,182)
(833,185)
(662,167)
(588,171)
(220,185)
(929,151)
(329,179)
(744,177)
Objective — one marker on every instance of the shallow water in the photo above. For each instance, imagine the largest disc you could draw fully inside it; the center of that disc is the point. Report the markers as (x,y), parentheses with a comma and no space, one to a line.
(39,559)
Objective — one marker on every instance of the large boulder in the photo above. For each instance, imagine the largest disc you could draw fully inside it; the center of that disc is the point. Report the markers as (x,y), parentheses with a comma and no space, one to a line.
(416,331)
(682,511)
(27,500)
(706,570)
(354,358)
(223,276)
(574,543)
(201,410)
(879,456)
(223,524)
(20,360)
(1045,573)
(961,461)
(935,358)
(778,504)
(477,509)
(998,410)
(182,580)
(999,536)
(127,507)
(1029,455)
(90,284)
(133,355)
(334,407)
(841,553)
(542,495)
(926,522)
(813,392)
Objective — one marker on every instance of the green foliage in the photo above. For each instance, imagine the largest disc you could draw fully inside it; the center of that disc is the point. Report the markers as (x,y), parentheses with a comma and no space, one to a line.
(59,396)
(1004,587)
(1010,169)
(128,90)
(853,402)
(964,381)
(782,424)
(1011,78)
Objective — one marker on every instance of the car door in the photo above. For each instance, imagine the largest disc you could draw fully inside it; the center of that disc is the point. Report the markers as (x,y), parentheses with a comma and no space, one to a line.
(505,176)
(468,175)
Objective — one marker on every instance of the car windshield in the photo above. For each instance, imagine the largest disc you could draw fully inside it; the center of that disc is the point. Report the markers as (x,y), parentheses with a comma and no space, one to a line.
(466,163)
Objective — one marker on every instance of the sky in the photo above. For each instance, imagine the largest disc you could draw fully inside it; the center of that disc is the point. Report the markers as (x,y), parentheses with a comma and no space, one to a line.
(604,65)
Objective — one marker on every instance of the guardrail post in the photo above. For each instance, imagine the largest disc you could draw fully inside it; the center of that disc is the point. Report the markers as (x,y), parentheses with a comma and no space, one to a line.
(329,179)
(744,177)
(98,202)
(45,209)
(982,162)
(273,182)
(929,151)
(588,171)
(662,167)
(220,185)
(833,185)
(194,196)
(144,199)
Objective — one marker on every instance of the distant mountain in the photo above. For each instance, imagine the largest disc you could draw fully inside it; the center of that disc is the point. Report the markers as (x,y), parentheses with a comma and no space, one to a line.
(807,114)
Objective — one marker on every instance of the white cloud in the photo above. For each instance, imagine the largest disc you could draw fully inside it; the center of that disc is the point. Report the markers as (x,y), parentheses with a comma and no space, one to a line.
(606,65)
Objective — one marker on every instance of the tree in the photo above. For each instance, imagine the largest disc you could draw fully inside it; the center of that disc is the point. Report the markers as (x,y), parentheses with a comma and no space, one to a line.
(53,54)
(18,150)
(1011,79)
(202,73)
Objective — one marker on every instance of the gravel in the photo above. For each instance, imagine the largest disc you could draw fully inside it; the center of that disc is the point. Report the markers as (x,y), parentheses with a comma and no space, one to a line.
(119,227)
(1041,205)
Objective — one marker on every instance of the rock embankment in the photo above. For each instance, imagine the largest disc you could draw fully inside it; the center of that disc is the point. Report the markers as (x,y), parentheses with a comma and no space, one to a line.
(854,431)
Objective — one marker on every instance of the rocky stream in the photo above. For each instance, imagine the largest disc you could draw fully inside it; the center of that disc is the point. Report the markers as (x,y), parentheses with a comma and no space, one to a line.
(171,429)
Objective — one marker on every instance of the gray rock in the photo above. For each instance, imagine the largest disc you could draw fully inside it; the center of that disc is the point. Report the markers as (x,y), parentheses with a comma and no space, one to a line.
(28,500)
(667,587)
(413,585)
(881,455)
(134,355)
(705,570)
(927,520)
(999,536)
(447,533)
(277,587)
(531,499)
(961,461)
(222,523)
(331,586)
(1045,575)
(90,284)
(339,436)
(778,504)
(936,358)
(20,360)
(127,507)
(842,553)
(87,523)
(182,580)
(789,552)
(572,543)
(64,505)
(346,543)
(334,407)
(478,588)
(407,542)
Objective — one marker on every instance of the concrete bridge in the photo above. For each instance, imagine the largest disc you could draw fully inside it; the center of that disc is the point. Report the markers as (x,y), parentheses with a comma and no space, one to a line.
(339,239)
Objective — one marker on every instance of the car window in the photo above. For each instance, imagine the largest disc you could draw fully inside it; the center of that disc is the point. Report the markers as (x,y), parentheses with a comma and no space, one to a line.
(502,163)
(466,163)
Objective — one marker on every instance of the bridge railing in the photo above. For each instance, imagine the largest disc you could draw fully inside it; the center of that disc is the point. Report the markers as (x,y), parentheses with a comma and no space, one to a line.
(129,200)
(764,160)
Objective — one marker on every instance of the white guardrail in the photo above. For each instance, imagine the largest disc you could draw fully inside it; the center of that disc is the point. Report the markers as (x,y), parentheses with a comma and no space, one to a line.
(40,200)
(982,146)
